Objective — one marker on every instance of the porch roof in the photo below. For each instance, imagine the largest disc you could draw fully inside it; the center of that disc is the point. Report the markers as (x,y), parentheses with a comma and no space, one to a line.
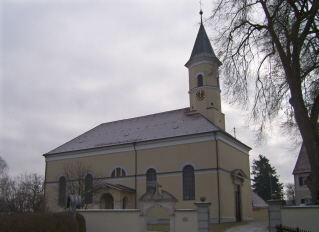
(114,186)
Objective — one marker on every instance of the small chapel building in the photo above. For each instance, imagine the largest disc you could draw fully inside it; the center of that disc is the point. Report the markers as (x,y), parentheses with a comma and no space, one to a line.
(187,151)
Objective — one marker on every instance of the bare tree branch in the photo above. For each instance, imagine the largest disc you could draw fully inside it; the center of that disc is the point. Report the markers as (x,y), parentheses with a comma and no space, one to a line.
(271,47)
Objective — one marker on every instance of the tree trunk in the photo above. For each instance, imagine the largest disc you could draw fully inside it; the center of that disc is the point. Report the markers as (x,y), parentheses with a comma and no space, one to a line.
(309,134)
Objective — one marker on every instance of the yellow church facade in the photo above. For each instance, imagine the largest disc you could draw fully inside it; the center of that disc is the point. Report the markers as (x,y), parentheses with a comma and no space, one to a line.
(186,151)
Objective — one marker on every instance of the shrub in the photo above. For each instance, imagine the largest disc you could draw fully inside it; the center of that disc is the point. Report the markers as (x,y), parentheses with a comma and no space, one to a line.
(42,222)
(81,222)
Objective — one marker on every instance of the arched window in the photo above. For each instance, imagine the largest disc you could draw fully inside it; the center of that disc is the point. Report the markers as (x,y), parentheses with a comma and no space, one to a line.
(188,183)
(199,80)
(87,189)
(62,191)
(151,179)
(117,172)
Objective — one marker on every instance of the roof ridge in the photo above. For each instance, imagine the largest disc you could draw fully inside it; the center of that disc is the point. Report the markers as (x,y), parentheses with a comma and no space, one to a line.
(148,115)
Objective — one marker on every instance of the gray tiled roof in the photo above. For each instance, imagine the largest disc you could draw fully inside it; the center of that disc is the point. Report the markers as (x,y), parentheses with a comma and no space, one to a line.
(258,201)
(302,164)
(151,127)
(115,186)
(202,46)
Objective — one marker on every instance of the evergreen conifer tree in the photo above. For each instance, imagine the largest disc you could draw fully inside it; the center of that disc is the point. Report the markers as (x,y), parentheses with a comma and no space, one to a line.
(265,181)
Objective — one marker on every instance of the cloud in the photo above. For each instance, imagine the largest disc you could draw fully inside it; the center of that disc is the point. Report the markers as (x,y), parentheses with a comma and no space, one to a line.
(70,65)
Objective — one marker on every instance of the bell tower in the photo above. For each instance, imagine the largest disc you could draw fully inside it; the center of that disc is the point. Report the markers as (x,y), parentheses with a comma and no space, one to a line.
(204,89)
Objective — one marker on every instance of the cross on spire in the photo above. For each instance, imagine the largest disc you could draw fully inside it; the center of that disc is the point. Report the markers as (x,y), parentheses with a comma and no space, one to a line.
(201,12)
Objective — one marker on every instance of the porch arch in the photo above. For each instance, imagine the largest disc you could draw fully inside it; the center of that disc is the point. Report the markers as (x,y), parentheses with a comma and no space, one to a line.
(106,201)
(156,199)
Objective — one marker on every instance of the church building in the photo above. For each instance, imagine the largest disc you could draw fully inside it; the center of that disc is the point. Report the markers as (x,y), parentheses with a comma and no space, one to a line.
(185,151)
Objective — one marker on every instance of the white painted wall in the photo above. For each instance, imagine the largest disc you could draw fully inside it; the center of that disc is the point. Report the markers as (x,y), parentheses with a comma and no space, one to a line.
(130,220)
(112,220)
(306,218)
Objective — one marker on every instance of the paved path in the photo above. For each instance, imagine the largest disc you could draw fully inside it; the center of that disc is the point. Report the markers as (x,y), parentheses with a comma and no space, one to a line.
(251,227)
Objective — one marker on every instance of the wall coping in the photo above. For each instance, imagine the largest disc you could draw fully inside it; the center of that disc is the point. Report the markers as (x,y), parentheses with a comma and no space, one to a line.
(188,210)
(301,207)
(128,210)
(108,210)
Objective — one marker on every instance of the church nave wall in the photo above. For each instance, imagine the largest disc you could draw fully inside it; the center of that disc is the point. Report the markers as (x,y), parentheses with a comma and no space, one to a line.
(231,158)
(172,158)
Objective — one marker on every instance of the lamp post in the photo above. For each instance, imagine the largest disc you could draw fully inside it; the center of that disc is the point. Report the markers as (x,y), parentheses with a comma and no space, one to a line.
(270,175)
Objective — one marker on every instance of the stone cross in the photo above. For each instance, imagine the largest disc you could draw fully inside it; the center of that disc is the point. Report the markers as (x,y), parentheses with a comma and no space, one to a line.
(157,186)
(157,194)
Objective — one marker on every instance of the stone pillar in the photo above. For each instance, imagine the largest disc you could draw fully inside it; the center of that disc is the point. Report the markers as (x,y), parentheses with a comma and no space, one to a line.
(274,213)
(203,216)
(143,223)
(171,223)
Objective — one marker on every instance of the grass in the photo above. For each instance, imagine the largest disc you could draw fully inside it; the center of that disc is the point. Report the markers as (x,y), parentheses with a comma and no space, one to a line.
(213,227)
(158,227)
(225,226)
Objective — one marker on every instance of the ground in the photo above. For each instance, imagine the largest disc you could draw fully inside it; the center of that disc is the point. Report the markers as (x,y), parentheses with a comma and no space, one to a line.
(224,227)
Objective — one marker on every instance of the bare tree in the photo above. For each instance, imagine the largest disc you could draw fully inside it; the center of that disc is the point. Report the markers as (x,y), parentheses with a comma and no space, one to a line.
(3,167)
(23,193)
(81,179)
(3,177)
(271,47)
(29,192)
(6,205)
(5,187)
(290,191)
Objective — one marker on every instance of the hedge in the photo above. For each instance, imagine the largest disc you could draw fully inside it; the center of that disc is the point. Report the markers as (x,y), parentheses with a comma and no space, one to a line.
(42,222)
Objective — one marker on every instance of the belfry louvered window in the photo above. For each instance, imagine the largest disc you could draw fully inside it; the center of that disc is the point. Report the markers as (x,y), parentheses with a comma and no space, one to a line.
(188,183)
(199,80)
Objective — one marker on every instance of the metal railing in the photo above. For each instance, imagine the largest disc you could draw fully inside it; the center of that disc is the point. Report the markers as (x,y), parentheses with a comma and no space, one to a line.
(281,228)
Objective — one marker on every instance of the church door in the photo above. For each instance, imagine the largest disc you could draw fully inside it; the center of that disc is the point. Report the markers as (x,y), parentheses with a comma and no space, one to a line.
(106,201)
(237,203)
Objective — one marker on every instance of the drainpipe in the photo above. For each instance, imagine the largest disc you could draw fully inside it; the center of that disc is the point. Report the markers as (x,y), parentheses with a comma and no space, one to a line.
(135,174)
(45,181)
(218,188)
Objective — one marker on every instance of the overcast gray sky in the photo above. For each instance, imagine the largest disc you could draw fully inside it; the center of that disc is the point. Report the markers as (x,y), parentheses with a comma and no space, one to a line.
(68,66)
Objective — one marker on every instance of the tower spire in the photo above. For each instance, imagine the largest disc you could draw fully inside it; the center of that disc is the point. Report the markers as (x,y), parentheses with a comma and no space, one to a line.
(204,90)
(202,47)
